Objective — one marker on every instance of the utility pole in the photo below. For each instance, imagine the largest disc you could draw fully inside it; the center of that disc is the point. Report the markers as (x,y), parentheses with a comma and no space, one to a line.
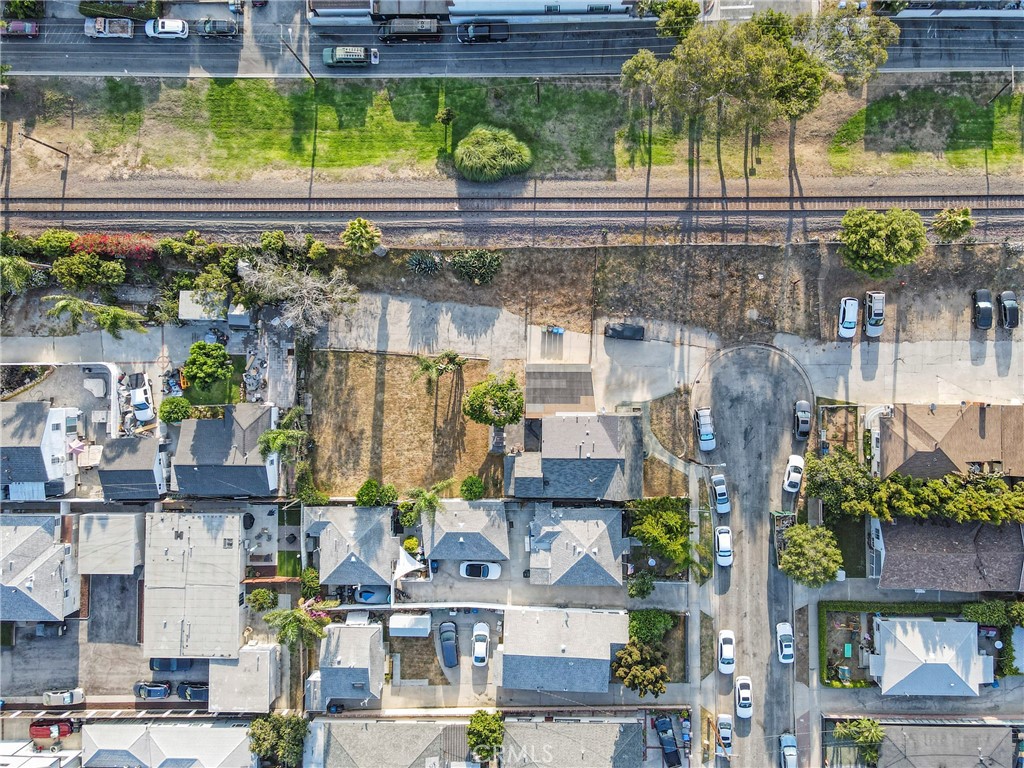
(650,160)
(63,173)
(316,120)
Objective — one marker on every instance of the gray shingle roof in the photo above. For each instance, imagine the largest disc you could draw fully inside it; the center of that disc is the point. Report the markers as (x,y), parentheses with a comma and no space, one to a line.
(467,530)
(126,469)
(394,744)
(561,650)
(576,547)
(351,666)
(356,545)
(221,457)
(31,568)
(573,745)
(557,388)
(21,439)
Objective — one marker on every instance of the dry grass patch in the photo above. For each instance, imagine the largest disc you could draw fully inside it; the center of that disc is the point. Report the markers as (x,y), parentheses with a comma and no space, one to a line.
(672,425)
(418,659)
(370,419)
(674,644)
(662,480)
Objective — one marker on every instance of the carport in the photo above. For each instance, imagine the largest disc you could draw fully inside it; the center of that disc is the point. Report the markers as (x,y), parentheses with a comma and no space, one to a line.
(409,625)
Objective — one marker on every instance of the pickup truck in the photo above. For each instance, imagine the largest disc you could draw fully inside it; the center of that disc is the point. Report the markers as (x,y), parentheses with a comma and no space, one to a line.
(109,27)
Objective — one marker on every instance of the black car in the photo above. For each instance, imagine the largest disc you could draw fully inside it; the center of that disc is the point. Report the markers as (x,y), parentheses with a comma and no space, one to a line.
(193,691)
(1009,311)
(170,665)
(982,299)
(449,637)
(216,28)
(482,31)
(801,420)
(626,331)
(667,736)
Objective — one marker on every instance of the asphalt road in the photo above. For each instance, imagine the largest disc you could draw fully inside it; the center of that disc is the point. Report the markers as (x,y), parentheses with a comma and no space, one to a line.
(751,391)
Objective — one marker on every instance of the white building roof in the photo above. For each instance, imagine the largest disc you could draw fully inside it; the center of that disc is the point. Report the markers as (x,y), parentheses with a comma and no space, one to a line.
(190,309)
(249,683)
(194,744)
(33,569)
(194,565)
(110,543)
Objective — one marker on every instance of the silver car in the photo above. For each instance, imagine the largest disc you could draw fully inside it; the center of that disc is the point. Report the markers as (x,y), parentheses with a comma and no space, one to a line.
(874,314)
(63,698)
(704,429)
(849,308)
(721,493)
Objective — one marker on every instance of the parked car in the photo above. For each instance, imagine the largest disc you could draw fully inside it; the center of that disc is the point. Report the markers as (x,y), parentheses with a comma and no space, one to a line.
(475,570)
(744,697)
(481,643)
(1009,311)
(50,729)
(449,638)
(63,698)
(724,724)
(982,315)
(141,397)
(51,628)
(801,420)
(667,737)
(718,487)
(216,28)
(849,308)
(482,31)
(152,690)
(874,314)
(170,665)
(13,28)
(704,429)
(784,641)
(726,651)
(627,331)
(167,29)
(787,751)
(794,474)
(193,691)
(723,545)
(374,594)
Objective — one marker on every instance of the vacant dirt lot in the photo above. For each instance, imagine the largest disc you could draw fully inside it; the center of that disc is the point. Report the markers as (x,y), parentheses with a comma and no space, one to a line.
(370,419)
(841,425)
(418,659)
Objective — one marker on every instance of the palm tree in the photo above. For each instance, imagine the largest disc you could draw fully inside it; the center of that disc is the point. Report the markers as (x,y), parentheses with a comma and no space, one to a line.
(300,626)
(868,732)
(427,502)
(427,366)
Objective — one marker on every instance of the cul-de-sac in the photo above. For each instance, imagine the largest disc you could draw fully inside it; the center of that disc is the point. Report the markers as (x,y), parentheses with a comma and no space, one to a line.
(511,384)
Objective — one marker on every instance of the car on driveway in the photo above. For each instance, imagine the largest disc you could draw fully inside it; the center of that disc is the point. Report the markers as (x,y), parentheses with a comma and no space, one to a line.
(704,429)
(721,491)
(874,314)
(627,331)
(787,751)
(482,31)
(216,28)
(726,651)
(849,308)
(372,594)
(170,665)
(724,724)
(193,691)
(481,643)
(448,636)
(723,545)
(50,729)
(982,312)
(667,737)
(784,641)
(13,28)
(801,420)
(1009,311)
(152,690)
(794,474)
(744,697)
(476,570)
(63,698)
(167,29)
(140,395)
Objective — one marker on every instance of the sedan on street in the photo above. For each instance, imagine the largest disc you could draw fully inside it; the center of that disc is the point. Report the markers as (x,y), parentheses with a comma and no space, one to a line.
(152,690)
(849,309)
(50,729)
(167,29)
(801,420)
(472,570)
(723,545)
(726,651)
(63,698)
(718,487)
(724,745)
(744,697)
(784,641)
(481,643)
(794,474)
(482,31)
(704,429)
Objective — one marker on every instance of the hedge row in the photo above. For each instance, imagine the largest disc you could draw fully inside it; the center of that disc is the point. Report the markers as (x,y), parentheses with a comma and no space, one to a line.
(151,9)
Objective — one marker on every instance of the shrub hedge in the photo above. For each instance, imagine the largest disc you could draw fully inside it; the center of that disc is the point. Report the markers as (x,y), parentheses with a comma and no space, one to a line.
(144,11)
(491,154)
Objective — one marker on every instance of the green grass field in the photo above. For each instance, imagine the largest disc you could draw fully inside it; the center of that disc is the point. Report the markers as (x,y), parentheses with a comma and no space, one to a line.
(289,564)
(223,392)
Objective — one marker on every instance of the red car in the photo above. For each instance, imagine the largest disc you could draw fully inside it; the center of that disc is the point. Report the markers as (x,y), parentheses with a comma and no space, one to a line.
(20,29)
(49,729)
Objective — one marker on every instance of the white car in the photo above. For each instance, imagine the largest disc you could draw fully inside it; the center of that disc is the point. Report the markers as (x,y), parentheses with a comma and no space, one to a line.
(721,492)
(723,545)
(476,570)
(744,697)
(481,643)
(63,698)
(849,309)
(794,474)
(141,397)
(726,652)
(784,641)
(167,29)
(724,725)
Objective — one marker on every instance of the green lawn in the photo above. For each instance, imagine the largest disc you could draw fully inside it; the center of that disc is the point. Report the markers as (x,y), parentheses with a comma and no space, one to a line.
(290,516)
(6,634)
(853,544)
(289,564)
(223,392)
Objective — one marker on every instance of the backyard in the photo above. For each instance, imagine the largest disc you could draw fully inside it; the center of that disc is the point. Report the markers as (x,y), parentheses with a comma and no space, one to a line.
(223,392)
(417,660)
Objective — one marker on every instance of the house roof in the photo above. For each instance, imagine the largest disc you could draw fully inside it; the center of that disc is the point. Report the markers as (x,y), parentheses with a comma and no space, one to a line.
(922,442)
(194,565)
(249,683)
(126,469)
(941,746)
(553,388)
(221,457)
(190,309)
(561,650)
(110,543)
(576,547)
(351,666)
(921,657)
(356,545)
(570,744)
(193,744)
(32,568)
(393,744)
(21,440)
(958,557)
(467,530)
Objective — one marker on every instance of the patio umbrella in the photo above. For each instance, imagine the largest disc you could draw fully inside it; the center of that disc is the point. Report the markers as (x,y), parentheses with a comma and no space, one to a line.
(75,447)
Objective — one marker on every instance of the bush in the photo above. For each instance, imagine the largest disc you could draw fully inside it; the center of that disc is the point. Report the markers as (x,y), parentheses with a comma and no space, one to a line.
(261,600)
(991,613)
(279,739)
(640,585)
(23,9)
(812,556)
(485,734)
(491,154)
(1016,613)
(55,243)
(650,626)
(174,409)
(81,271)
(876,243)
(361,236)
(274,242)
(124,246)
(373,494)
(144,11)
(13,244)
(476,266)
(305,488)
(952,223)
(426,263)
(1007,662)
(310,583)
(206,364)
(495,402)
(472,488)
(408,515)
(411,545)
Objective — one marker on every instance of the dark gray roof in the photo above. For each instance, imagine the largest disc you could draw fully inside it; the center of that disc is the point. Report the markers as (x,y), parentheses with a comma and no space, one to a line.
(467,530)
(556,388)
(351,666)
(576,547)
(942,746)
(21,440)
(393,744)
(958,557)
(356,545)
(221,457)
(31,585)
(568,744)
(126,469)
